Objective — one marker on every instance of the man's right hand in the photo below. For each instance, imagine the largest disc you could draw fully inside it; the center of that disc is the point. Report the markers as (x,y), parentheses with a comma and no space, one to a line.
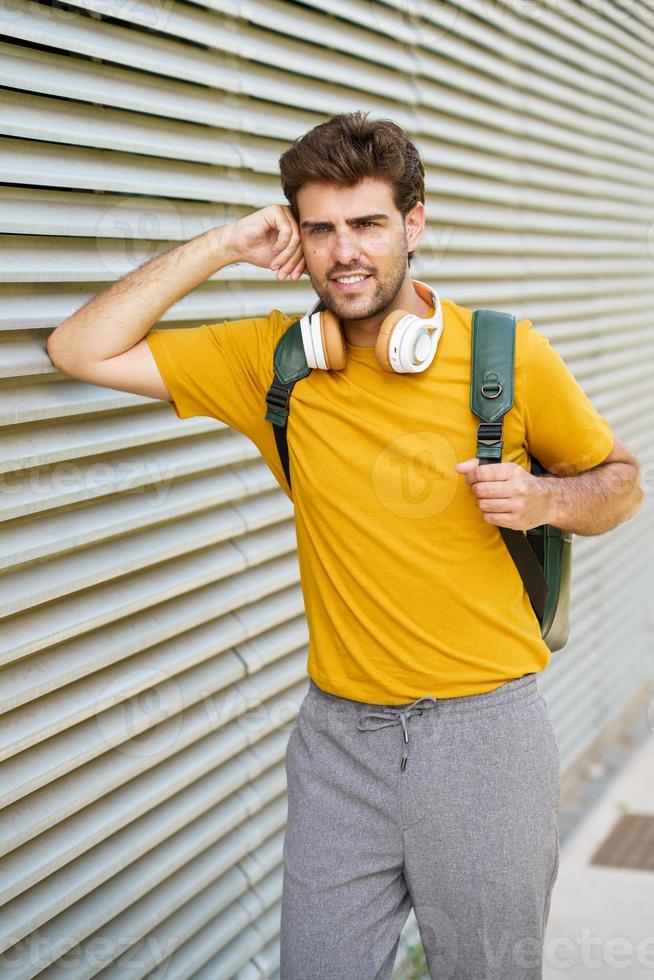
(270,239)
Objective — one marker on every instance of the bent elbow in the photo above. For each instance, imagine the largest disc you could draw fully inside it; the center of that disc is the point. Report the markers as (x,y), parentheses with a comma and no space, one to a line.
(639,499)
(53,353)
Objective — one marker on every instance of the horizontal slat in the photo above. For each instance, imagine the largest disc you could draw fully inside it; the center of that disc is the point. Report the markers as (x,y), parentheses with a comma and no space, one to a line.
(45,164)
(219,863)
(35,117)
(52,164)
(102,862)
(76,615)
(73,483)
(40,211)
(58,534)
(24,448)
(422,44)
(503,253)
(150,221)
(52,671)
(298,22)
(23,306)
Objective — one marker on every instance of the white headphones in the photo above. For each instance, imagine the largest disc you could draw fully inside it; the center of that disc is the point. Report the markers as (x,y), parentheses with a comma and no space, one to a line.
(405,343)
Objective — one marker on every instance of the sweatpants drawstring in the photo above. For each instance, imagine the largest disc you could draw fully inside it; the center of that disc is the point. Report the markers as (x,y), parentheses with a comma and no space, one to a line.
(381,719)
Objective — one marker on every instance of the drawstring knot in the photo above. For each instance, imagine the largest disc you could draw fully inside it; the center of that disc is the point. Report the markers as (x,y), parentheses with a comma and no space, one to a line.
(381,719)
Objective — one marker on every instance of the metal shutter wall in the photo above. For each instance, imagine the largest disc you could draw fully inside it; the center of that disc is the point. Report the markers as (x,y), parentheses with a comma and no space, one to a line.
(152,630)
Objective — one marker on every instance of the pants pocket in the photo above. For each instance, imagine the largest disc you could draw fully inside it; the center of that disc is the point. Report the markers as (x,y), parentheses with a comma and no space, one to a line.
(553,876)
(553,754)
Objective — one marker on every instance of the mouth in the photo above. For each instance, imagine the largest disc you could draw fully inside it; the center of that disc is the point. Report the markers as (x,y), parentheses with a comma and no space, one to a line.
(351,283)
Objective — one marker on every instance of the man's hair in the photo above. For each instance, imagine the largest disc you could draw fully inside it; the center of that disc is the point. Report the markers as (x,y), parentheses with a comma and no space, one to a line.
(348,148)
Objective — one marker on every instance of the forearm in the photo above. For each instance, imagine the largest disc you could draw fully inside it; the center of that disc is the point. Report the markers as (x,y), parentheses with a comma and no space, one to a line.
(123,313)
(596,500)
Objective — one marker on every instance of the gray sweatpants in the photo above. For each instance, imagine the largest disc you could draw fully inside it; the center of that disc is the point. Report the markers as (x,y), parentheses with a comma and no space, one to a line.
(447,805)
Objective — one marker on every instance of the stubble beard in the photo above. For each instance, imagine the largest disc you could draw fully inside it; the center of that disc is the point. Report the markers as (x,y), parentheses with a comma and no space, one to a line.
(355,307)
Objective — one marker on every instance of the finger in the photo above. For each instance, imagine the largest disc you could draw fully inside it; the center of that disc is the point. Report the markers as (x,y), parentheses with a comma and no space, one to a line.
(298,270)
(489,471)
(287,237)
(284,234)
(500,506)
(290,263)
(288,254)
(506,520)
(288,258)
(486,490)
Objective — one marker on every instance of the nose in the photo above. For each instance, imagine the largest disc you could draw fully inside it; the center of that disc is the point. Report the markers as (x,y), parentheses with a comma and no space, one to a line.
(346,249)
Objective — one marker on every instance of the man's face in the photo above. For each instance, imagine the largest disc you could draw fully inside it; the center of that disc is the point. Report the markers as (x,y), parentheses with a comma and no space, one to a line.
(348,230)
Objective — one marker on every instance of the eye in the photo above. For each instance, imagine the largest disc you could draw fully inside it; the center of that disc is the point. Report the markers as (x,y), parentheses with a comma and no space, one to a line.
(318,230)
(369,223)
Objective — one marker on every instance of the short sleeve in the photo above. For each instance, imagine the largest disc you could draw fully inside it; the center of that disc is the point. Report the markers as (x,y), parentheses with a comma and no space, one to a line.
(220,370)
(563,429)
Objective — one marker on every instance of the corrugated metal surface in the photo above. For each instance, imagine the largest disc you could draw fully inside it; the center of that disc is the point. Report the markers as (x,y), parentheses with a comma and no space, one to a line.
(152,634)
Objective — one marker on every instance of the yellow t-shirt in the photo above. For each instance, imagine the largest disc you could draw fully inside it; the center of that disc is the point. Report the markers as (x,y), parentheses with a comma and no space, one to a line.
(408,591)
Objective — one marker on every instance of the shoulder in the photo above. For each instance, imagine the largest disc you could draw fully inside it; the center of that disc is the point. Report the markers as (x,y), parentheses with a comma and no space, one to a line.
(279,322)
(463,314)
(250,338)
(455,312)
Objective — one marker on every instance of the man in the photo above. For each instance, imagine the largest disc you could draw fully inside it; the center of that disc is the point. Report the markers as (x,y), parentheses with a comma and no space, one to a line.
(418,619)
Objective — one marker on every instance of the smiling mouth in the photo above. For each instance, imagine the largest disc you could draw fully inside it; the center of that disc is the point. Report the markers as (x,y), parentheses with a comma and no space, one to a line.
(351,282)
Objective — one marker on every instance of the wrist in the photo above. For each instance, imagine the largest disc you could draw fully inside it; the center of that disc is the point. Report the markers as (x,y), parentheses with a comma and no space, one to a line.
(552,489)
(223,242)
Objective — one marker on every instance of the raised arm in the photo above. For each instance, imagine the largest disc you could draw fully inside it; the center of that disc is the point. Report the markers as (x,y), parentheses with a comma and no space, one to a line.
(103,342)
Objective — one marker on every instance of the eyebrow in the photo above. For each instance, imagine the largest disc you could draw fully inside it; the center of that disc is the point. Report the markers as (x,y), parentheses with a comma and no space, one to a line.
(350,221)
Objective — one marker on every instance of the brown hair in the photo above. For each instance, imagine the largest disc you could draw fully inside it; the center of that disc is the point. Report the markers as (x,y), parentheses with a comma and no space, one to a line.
(348,148)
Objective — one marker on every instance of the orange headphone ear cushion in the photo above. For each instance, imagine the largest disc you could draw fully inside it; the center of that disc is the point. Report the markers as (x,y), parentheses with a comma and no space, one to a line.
(384,336)
(333,343)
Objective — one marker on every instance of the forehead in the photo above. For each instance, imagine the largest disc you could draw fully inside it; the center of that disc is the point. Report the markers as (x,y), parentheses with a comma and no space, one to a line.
(318,200)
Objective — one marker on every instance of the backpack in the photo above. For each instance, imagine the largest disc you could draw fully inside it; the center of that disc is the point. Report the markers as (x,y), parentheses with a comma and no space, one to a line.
(543,554)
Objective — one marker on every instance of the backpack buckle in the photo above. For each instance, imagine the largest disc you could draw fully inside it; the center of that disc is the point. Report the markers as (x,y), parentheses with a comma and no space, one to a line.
(278,396)
(489,432)
(277,400)
(489,442)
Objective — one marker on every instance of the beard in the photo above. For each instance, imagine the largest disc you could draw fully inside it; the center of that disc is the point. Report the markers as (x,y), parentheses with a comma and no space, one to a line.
(354,307)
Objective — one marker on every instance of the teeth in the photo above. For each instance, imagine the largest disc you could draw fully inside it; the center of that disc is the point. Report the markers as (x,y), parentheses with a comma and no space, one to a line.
(350,279)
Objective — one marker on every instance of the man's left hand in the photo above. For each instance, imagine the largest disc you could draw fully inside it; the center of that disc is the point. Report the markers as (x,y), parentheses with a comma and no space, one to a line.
(507,494)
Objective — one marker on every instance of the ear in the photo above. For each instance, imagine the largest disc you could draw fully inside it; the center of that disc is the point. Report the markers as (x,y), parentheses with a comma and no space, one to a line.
(414,223)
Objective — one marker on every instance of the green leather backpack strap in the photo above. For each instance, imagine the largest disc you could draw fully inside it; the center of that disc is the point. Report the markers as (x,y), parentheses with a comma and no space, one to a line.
(491,397)
(491,380)
(289,365)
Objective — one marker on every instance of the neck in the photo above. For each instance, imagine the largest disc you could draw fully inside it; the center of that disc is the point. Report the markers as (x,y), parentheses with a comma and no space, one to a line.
(363,333)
